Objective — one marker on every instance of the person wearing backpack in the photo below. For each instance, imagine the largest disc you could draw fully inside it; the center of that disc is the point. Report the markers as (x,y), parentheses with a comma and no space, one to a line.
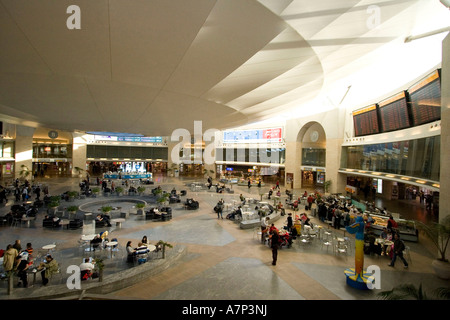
(399,246)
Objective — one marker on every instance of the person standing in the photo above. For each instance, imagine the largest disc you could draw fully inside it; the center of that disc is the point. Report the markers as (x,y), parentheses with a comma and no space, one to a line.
(9,258)
(275,239)
(24,194)
(289,222)
(399,246)
(220,210)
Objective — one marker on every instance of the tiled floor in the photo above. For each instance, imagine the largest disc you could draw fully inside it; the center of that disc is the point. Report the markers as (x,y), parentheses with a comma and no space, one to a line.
(223,260)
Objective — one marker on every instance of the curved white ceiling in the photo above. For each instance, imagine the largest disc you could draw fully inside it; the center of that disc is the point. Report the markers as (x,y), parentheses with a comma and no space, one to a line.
(151,66)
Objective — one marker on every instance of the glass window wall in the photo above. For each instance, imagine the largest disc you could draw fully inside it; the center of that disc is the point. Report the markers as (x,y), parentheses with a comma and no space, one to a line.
(313,157)
(253,155)
(416,158)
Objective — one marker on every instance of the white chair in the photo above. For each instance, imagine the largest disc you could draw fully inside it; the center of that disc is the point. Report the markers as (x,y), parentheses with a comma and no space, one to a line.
(327,243)
(313,233)
(407,253)
(341,247)
(257,232)
(58,274)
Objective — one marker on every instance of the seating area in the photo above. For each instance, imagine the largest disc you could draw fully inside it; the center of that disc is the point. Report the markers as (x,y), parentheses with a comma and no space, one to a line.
(180,225)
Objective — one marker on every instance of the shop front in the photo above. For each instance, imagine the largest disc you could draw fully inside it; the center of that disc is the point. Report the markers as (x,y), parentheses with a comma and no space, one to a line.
(313,177)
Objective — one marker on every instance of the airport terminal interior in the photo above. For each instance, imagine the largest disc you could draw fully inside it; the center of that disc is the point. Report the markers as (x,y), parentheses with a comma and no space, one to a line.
(150,142)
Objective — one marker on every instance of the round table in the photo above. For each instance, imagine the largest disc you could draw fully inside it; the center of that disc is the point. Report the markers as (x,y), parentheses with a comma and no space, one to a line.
(49,247)
(65,223)
(111,244)
(88,238)
(28,220)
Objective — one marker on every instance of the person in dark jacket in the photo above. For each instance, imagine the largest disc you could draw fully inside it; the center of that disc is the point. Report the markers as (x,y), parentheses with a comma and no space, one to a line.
(399,246)
(274,243)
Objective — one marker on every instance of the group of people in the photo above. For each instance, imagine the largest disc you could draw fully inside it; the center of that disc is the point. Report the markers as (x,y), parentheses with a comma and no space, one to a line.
(142,248)
(18,260)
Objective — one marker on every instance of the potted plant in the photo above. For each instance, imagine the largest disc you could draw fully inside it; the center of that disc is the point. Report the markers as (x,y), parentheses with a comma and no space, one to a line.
(162,199)
(106,209)
(140,208)
(53,204)
(439,234)
(99,267)
(95,191)
(141,190)
(72,195)
(409,291)
(119,191)
(327,185)
(161,245)
(72,209)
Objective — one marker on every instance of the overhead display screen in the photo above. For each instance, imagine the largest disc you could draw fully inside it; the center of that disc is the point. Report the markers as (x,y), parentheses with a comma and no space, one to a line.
(253,136)
(425,98)
(365,121)
(394,113)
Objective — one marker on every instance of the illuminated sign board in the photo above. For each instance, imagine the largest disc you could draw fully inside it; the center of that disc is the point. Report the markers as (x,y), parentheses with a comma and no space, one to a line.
(253,136)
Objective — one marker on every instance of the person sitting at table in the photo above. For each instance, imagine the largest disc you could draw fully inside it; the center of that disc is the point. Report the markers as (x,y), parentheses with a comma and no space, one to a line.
(50,267)
(387,236)
(22,267)
(86,269)
(131,252)
(280,207)
(304,219)
(51,221)
(102,218)
(95,243)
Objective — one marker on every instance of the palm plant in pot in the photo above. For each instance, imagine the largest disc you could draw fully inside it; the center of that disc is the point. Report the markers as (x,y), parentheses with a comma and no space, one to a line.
(72,209)
(119,191)
(99,267)
(439,234)
(140,208)
(163,199)
(106,209)
(53,204)
(141,190)
(161,245)
(95,191)
(72,195)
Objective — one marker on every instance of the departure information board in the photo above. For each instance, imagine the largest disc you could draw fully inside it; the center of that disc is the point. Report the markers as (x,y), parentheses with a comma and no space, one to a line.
(425,98)
(365,121)
(394,113)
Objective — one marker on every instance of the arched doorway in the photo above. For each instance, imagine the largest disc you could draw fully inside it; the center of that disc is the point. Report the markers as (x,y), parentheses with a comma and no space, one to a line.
(311,140)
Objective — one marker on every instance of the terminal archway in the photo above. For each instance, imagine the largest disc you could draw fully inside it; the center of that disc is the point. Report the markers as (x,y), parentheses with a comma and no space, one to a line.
(311,156)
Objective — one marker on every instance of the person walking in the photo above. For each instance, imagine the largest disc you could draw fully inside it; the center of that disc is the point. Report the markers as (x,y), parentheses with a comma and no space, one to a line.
(275,239)
(399,246)
(220,210)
